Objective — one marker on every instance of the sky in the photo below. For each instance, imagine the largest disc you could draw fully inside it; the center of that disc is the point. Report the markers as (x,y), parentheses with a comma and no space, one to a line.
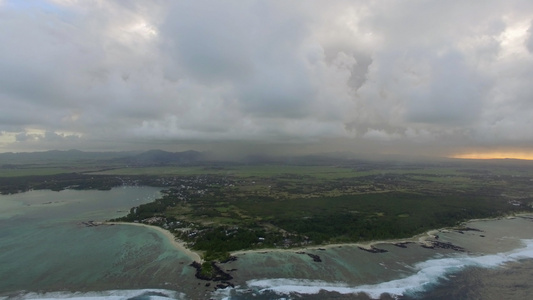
(385,77)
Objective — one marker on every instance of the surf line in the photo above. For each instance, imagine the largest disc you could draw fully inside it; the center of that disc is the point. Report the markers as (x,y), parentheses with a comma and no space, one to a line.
(428,273)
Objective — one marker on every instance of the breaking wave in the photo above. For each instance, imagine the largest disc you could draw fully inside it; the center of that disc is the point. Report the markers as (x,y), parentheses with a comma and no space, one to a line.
(428,273)
(146,294)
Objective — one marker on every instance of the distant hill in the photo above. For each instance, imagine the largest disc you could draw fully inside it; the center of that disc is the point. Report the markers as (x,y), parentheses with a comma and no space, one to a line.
(57,156)
(160,157)
(151,157)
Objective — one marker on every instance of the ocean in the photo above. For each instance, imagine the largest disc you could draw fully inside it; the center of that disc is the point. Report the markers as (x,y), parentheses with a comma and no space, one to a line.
(49,250)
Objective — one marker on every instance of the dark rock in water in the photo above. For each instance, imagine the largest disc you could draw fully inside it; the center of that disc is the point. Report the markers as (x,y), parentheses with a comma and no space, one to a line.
(315,257)
(463,229)
(402,244)
(441,245)
(221,286)
(91,224)
(373,249)
(231,258)
(216,275)
(472,229)
(224,284)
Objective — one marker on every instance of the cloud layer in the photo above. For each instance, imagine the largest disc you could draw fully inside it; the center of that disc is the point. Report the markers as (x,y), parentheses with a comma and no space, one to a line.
(424,76)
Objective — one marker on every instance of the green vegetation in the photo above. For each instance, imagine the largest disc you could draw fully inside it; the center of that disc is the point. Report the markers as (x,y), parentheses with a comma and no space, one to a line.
(217,214)
(220,208)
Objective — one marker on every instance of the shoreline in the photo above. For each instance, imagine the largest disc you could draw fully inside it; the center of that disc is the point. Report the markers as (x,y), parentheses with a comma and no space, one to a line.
(421,239)
(172,239)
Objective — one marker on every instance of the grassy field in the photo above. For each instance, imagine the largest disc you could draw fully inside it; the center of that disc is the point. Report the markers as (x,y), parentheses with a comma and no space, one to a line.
(265,171)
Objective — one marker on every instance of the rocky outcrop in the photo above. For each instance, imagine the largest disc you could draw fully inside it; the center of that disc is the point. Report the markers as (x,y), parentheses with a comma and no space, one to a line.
(441,245)
(315,257)
(402,244)
(216,273)
(373,249)
(229,259)
(463,229)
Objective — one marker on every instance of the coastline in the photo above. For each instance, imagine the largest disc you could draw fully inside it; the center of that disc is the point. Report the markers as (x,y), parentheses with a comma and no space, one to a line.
(423,239)
(368,245)
(177,244)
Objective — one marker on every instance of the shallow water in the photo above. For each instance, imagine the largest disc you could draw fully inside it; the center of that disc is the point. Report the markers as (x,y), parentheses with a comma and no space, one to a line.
(45,246)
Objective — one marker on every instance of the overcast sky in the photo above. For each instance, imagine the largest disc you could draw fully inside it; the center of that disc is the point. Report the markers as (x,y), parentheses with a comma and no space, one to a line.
(394,77)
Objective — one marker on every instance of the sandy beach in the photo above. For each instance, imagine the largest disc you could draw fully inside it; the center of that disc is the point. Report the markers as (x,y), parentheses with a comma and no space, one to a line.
(180,246)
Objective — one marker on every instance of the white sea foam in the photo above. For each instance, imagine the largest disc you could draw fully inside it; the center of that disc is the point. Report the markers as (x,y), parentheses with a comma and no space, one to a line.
(145,294)
(427,273)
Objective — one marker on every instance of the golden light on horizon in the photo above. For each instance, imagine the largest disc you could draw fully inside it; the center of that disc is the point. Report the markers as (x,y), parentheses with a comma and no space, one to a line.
(495,155)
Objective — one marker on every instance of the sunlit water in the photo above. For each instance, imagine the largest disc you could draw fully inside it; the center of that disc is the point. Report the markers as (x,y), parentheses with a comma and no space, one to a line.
(47,252)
